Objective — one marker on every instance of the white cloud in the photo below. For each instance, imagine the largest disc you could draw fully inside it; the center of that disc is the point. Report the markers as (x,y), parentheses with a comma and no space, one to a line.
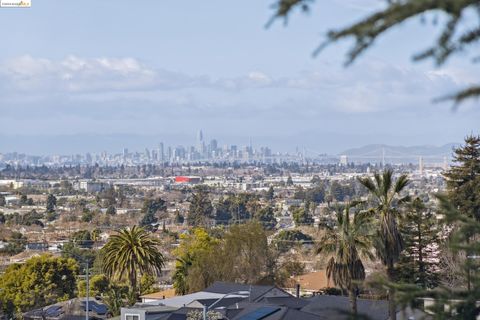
(76,74)
(368,87)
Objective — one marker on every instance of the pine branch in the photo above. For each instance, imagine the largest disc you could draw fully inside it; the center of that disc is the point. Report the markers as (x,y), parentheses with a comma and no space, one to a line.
(459,97)
(366,31)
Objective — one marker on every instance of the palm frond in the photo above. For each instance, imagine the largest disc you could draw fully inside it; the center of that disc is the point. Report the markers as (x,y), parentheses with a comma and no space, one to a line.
(368,183)
(401,183)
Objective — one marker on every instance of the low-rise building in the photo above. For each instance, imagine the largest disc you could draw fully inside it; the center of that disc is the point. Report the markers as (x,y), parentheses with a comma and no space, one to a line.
(92,186)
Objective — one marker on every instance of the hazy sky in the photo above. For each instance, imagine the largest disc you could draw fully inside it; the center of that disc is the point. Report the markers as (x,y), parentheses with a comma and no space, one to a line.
(94,75)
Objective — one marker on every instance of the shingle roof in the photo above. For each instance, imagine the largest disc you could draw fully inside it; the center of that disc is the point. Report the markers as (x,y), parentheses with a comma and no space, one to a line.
(338,307)
(225,302)
(277,312)
(290,302)
(292,314)
(248,308)
(227,287)
(181,301)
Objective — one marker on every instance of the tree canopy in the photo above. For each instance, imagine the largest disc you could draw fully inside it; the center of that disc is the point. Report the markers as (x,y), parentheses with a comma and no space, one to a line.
(38,282)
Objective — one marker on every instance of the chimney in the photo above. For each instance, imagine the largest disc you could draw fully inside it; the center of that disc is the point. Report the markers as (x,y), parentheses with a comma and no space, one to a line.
(297,290)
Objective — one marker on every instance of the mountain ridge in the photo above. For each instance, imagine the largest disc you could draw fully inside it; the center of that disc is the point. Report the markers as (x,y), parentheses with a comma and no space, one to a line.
(378,151)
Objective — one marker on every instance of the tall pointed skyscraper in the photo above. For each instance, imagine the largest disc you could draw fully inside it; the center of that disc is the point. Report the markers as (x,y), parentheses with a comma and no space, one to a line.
(160,152)
(200,143)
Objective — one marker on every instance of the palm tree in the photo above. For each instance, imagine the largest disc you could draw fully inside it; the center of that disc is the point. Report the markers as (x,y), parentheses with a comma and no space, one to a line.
(113,299)
(180,281)
(130,253)
(386,195)
(346,242)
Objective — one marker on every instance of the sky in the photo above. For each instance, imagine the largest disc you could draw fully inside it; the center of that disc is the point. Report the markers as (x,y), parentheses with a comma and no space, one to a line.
(78,76)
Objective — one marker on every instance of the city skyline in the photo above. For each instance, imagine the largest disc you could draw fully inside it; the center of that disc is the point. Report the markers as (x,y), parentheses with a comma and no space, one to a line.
(105,83)
(209,149)
(83,143)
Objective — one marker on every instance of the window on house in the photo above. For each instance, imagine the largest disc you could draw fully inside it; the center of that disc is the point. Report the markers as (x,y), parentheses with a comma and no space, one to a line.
(132,317)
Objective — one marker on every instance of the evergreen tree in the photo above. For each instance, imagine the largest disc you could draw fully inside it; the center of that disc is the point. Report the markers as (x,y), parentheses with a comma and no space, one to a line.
(460,210)
(23,199)
(266,217)
(150,209)
(289,181)
(270,193)
(51,203)
(179,219)
(463,179)
(111,210)
(463,185)
(201,208)
(222,211)
(418,262)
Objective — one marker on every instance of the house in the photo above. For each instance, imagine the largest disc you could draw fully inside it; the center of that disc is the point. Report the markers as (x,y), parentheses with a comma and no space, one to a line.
(12,201)
(230,293)
(338,307)
(74,309)
(251,302)
(92,186)
(257,292)
(37,246)
(146,312)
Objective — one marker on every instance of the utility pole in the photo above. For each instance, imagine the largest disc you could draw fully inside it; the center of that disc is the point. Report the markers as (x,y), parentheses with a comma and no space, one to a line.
(88,293)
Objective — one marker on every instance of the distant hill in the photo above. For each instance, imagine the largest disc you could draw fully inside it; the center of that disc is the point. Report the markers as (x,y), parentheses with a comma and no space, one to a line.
(394,154)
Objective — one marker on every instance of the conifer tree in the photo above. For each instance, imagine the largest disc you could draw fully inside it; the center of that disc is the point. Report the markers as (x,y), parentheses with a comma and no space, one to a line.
(201,208)
(460,209)
(463,189)
(419,261)
(463,179)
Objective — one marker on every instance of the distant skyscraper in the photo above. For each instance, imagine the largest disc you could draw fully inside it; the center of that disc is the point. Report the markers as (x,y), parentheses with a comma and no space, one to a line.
(88,158)
(160,152)
(125,153)
(200,143)
(420,165)
(343,160)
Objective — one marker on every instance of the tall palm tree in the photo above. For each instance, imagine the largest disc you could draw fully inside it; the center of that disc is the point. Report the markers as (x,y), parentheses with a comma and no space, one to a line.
(386,197)
(346,242)
(130,253)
